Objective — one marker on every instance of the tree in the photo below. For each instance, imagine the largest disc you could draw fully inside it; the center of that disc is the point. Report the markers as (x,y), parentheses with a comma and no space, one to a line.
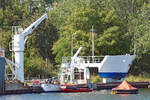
(109,38)
(17,13)
(12,14)
(139,30)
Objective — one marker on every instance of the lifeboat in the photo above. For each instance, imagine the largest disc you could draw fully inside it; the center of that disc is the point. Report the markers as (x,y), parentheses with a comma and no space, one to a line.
(124,88)
(75,89)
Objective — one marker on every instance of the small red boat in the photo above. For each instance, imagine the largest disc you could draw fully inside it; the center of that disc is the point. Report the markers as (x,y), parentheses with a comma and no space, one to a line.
(75,89)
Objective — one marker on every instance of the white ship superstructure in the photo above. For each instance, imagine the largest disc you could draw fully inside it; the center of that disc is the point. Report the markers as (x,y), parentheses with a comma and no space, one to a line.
(77,71)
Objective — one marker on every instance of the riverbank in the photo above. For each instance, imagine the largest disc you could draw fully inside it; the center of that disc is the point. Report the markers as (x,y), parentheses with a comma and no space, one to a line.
(140,78)
(95,95)
(96,86)
(129,78)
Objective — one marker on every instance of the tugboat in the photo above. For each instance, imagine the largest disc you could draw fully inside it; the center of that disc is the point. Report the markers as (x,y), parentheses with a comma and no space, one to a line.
(75,89)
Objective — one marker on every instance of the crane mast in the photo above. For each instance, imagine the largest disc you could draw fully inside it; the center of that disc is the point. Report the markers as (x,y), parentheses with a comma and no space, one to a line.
(20,39)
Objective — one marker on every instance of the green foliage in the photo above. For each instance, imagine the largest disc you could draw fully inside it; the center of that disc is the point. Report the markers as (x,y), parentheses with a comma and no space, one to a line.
(34,64)
(95,79)
(43,39)
(107,36)
(38,47)
(40,44)
(139,78)
(141,30)
(59,15)
(52,1)
(118,26)
(12,14)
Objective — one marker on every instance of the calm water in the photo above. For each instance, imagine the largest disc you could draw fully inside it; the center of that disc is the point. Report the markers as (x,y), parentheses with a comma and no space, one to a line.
(144,94)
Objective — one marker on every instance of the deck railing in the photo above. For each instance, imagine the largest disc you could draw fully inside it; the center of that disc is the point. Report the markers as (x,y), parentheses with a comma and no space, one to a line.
(84,59)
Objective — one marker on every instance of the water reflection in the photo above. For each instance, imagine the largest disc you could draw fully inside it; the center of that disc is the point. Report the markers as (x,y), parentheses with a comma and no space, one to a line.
(96,95)
(123,94)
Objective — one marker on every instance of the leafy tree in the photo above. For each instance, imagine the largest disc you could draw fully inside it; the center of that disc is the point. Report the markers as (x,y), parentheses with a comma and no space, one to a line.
(23,14)
(118,26)
(59,15)
(107,36)
(139,29)
(12,14)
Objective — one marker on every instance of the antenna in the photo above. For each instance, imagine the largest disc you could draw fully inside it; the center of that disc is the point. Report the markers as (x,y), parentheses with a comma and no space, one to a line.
(92,41)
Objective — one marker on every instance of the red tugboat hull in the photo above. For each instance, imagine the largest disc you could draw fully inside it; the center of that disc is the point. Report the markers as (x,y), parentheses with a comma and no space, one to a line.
(74,89)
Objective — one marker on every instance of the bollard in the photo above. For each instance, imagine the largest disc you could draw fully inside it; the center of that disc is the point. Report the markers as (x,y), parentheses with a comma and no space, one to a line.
(2,74)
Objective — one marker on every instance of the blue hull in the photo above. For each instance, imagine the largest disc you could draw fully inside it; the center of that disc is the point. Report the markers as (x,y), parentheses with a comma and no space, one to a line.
(113,75)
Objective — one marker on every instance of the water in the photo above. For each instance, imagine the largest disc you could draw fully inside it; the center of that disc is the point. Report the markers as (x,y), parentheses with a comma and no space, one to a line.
(144,94)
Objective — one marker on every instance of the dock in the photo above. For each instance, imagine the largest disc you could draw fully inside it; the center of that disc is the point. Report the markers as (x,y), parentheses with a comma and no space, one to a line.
(25,91)
(95,86)
(101,86)
(108,86)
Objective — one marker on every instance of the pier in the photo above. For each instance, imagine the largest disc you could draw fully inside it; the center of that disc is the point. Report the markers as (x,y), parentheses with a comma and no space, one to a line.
(101,86)
(96,86)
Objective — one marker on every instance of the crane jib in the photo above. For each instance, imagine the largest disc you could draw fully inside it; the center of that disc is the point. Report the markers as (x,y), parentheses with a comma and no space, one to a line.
(33,27)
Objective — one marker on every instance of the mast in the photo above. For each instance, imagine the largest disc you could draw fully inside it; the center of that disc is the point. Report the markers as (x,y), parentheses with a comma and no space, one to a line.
(92,41)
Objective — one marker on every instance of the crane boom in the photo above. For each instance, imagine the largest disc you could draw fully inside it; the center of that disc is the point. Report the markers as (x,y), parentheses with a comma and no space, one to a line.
(29,29)
(76,54)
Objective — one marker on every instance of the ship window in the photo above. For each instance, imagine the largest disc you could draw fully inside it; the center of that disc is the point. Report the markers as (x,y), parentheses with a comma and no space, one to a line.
(82,75)
(76,70)
(78,74)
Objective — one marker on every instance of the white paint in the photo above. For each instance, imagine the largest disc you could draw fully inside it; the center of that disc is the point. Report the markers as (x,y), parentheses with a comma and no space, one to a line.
(111,63)
(116,63)
(18,42)
(18,47)
(19,56)
(51,87)
(19,61)
(107,80)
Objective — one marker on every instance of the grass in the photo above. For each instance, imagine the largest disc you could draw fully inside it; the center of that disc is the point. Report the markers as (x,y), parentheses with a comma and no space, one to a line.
(129,78)
(140,78)
(96,78)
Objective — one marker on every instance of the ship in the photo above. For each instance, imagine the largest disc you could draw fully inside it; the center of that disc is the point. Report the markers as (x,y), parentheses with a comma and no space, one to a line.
(115,66)
(111,68)
(75,89)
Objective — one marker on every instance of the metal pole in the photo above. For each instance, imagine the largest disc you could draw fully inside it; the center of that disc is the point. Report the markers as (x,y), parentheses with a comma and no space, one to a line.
(134,49)
(72,47)
(92,42)
(72,44)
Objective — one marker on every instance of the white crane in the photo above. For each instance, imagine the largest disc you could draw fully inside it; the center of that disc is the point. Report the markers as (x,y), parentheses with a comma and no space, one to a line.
(20,39)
